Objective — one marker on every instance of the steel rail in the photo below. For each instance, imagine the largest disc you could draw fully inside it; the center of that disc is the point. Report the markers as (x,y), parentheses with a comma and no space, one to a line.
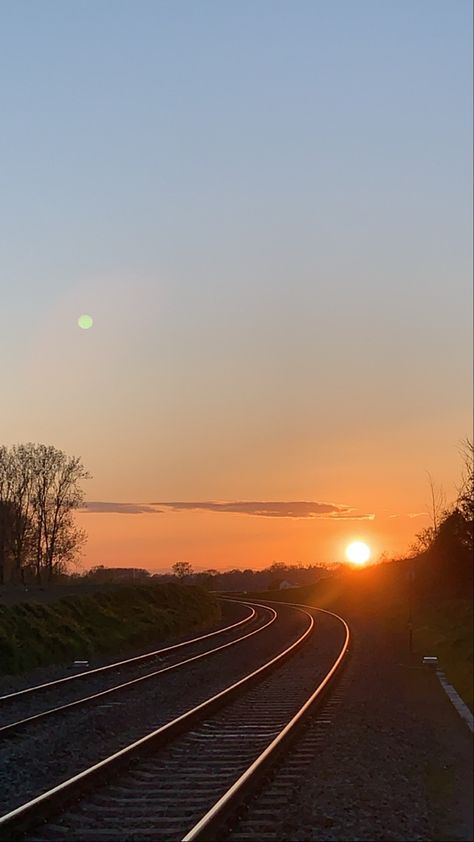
(14,727)
(117,664)
(224,809)
(14,823)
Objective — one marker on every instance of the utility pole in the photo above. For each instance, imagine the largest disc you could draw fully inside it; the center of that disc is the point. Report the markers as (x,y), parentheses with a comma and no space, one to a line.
(411,577)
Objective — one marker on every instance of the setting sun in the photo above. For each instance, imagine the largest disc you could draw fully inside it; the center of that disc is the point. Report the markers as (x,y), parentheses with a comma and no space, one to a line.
(358,552)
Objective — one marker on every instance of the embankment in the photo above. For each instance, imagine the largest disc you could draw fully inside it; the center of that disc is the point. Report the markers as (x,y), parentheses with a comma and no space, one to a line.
(37,633)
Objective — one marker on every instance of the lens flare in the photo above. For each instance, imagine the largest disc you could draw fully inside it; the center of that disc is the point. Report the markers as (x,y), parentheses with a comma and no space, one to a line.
(85,321)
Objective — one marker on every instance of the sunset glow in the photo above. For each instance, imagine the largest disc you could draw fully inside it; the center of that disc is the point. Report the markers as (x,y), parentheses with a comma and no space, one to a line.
(237,265)
(358,553)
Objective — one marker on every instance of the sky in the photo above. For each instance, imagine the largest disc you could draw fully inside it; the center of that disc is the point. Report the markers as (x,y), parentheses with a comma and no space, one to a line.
(265,207)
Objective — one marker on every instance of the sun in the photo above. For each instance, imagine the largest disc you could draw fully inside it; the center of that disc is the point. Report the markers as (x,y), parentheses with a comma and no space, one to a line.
(358,552)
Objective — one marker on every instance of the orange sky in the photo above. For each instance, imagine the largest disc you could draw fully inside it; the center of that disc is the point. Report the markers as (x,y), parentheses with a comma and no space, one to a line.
(377,479)
(232,540)
(275,246)
(199,426)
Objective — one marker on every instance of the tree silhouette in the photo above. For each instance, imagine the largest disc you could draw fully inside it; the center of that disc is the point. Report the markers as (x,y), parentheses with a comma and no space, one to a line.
(182,570)
(39,492)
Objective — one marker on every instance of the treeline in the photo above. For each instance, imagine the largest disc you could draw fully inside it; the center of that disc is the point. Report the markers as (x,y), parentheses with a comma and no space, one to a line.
(277,575)
(444,551)
(39,492)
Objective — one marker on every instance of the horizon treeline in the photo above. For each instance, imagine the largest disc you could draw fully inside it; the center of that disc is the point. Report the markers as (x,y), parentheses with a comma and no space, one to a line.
(269,578)
(39,492)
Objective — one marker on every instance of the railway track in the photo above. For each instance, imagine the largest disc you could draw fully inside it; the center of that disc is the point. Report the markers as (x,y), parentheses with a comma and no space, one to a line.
(51,749)
(24,708)
(186,779)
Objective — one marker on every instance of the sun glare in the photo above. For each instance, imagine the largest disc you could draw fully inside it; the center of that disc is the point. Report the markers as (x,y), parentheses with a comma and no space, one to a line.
(358,552)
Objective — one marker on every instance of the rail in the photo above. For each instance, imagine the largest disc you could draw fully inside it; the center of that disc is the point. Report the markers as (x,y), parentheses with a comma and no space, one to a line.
(213,821)
(17,821)
(117,664)
(12,728)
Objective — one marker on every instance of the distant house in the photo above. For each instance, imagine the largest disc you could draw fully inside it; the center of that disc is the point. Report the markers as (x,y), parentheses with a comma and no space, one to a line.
(284,586)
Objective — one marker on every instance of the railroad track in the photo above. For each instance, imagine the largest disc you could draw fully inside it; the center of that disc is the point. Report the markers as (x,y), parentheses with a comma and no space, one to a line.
(186,779)
(51,749)
(19,710)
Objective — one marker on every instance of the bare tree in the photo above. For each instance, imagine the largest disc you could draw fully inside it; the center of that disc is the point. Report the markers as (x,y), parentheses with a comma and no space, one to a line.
(453,524)
(6,510)
(465,500)
(57,494)
(437,510)
(23,470)
(437,503)
(39,492)
(15,495)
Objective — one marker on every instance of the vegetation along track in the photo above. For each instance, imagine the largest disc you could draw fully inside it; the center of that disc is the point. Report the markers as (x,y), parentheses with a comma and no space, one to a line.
(186,778)
(31,705)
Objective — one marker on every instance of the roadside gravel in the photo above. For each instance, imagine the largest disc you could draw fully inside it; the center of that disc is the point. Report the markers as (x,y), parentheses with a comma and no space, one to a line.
(394,760)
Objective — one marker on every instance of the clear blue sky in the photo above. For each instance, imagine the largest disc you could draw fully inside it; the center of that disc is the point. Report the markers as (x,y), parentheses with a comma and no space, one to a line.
(266,206)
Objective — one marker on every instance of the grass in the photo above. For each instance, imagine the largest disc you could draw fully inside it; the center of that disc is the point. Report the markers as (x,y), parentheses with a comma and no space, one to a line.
(445,629)
(80,626)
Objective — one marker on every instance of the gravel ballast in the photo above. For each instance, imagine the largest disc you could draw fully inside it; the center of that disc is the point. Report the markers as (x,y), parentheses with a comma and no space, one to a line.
(393,758)
(51,751)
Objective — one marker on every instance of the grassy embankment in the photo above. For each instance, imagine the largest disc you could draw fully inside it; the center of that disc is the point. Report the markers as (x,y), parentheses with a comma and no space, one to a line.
(442,625)
(36,633)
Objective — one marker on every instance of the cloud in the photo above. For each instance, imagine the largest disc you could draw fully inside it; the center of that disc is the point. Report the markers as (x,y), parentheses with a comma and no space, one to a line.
(97,507)
(279,509)
(411,515)
(351,515)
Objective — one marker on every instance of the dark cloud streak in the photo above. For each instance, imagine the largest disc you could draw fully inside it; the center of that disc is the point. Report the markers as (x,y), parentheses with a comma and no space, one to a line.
(98,507)
(256,508)
(278,509)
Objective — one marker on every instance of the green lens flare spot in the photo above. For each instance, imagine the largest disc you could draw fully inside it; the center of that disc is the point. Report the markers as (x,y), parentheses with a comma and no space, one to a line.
(85,321)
